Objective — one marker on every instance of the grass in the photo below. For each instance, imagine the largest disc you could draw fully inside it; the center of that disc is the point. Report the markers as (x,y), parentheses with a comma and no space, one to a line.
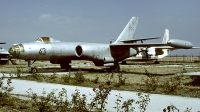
(140,77)
(136,76)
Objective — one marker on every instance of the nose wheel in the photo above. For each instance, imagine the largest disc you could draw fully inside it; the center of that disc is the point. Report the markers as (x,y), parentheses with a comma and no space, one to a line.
(33,70)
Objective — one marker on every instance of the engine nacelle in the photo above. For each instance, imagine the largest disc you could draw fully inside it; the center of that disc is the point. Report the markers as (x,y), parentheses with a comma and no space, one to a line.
(132,52)
(180,44)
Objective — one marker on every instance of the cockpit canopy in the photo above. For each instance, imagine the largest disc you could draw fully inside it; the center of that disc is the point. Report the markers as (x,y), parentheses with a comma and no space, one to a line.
(46,40)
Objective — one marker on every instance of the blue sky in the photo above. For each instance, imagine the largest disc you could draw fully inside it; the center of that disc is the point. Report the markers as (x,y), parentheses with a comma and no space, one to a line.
(98,21)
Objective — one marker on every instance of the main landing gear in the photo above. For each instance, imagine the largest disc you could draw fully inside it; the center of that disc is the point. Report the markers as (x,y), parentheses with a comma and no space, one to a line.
(31,70)
(65,65)
(156,62)
(115,68)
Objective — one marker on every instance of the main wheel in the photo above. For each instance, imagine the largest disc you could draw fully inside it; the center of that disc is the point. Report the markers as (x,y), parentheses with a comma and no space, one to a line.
(115,68)
(156,62)
(124,62)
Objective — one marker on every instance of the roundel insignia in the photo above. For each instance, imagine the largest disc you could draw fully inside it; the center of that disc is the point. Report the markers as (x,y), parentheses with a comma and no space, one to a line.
(42,51)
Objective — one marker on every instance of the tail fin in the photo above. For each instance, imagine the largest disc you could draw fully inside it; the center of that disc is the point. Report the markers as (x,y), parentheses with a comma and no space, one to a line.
(166,36)
(165,39)
(129,31)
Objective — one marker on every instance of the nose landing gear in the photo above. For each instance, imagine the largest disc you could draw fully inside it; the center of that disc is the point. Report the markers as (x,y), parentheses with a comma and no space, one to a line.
(32,69)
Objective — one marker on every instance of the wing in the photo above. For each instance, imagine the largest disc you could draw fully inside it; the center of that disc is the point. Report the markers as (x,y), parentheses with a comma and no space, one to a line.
(140,45)
(2,43)
(174,48)
(168,46)
(141,39)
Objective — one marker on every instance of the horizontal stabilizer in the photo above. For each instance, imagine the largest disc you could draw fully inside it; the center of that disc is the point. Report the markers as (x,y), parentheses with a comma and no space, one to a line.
(141,39)
(2,43)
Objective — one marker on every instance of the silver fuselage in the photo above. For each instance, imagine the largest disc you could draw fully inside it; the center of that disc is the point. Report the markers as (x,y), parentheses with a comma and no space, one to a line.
(57,52)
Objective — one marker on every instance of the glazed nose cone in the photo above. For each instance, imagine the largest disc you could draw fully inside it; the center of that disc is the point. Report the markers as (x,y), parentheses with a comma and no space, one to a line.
(14,50)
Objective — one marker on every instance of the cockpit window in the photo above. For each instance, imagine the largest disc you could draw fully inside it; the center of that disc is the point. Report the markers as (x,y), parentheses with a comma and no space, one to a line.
(43,39)
(39,40)
(46,40)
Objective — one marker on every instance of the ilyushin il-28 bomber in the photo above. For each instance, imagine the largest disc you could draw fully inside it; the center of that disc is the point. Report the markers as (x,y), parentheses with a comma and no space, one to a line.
(107,55)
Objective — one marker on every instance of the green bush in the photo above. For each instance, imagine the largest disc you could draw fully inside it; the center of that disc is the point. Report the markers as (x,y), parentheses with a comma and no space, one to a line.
(172,84)
(79,77)
(151,83)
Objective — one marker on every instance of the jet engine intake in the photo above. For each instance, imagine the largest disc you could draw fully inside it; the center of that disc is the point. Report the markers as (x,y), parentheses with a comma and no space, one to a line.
(78,51)
(180,44)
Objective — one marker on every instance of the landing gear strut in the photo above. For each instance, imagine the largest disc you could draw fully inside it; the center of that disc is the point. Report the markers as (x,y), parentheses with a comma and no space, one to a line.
(31,70)
(115,68)
(65,65)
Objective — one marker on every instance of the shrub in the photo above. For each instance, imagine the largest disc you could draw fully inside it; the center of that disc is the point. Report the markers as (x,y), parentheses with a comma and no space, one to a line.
(143,101)
(79,77)
(172,84)
(126,106)
(99,99)
(66,78)
(121,80)
(5,91)
(151,83)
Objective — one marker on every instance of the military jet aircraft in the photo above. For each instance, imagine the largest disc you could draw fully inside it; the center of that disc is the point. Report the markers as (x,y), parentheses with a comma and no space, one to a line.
(152,53)
(155,53)
(107,55)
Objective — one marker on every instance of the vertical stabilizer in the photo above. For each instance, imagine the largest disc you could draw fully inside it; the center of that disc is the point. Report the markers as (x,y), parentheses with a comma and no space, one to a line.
(165,40)
(129,31)
(166,36)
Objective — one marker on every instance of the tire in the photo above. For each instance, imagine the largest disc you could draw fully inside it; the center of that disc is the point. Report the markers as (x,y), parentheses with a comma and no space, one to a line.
(124,62)
(156,62)
(33,70)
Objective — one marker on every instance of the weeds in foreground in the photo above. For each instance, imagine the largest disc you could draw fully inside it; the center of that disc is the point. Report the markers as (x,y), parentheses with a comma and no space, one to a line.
(79,77)
(60,102)
(126,106)
(173,108)
(99,98)
(5,91)
(151,83)
(172,84)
